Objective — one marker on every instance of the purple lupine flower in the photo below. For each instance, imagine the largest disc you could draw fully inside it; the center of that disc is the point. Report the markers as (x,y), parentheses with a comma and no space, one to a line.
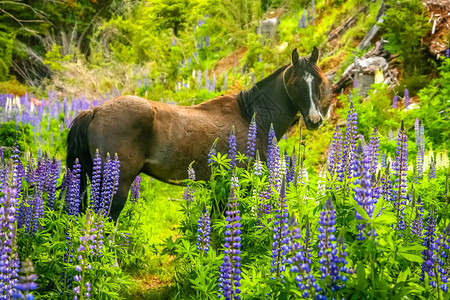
(349,145)
(291,172)
(232,151)
(52,185)
(109,186)
(447,52)
(26,281)
(300,261)
(281,234)
(230,270)
(429,243)
(204,230)
(406,97)
(95,196)
(432,171)
(334,151)
(273,164)
(72,199)
(302,21)
(189,191)
(400,166)
(374,150)
(9,261)
(81,286)
(363,187)
(251,139)
(417,226)
(212,152)
(420,151)
(417,132)
(258,168)
(395,101)
(330,262)
(134,190)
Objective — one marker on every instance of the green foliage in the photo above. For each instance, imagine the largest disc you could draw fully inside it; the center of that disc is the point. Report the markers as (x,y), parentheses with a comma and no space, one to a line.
(12,134)
(404,26)
(54,59)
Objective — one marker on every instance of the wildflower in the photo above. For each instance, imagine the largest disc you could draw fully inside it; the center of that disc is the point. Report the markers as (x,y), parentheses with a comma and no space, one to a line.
(73,189)
(329,260)
(26,281)
(291,172)
(364,189)
(400,167)
(395,101)
(349,145)
(273,164)
(9,261)
(300,262)
(110,182)
(417,225)
(212,151)
(251,138)
(258,168)
(432,170)
(232,148)
(96,178)
(230,270)
(189,191)
(334,151)
(406,97)
(374,152)
(134,190)
(280,236)
(204,229)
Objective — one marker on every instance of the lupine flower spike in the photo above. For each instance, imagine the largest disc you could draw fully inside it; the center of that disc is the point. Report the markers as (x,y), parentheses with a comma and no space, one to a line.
(230,271)
(280,234)
(251,139)
(204,229)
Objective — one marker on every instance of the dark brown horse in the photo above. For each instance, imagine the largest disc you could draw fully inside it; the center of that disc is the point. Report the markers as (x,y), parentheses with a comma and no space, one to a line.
(161,140)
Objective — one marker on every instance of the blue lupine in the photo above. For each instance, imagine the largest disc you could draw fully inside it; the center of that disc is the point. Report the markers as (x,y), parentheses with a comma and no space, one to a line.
(363,186)
(53,178)
(26,281)
(281,234)
(420,151)
(400,166)
(212,151)
(406,97)
(300,261)
(204,230)
(349,145)
(232,151)
(230,270)
(330,262)
(432,170)
(73,189)
(251,138)
(134,190)
(273,161)
(417,132)
(395,101)
(334,151)
(271,136)
(189,191)
(95,196)
(428,254)
(417,226)
(9,262)
(258,168)
(81,286)
(374,150)
(291,172)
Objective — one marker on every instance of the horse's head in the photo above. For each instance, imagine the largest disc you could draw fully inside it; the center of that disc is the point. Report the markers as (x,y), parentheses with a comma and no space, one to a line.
(303,85)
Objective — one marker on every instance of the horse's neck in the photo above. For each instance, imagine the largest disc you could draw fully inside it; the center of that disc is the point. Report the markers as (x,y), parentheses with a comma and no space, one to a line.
(271,103)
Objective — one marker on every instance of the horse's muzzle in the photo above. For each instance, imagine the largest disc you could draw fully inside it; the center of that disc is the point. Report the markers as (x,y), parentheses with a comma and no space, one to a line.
(313,125)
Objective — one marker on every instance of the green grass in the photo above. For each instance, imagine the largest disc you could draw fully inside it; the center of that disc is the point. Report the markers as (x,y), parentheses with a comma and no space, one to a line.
(151,221)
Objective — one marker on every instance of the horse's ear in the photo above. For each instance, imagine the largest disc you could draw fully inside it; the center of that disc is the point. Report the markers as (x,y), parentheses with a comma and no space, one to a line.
(314,55)
(295,57)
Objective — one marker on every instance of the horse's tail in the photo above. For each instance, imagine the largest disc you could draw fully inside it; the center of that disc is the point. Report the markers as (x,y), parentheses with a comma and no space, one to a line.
(78,146)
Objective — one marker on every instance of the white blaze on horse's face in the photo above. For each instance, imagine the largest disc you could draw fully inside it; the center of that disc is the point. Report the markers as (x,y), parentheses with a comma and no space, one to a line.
(314,114)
